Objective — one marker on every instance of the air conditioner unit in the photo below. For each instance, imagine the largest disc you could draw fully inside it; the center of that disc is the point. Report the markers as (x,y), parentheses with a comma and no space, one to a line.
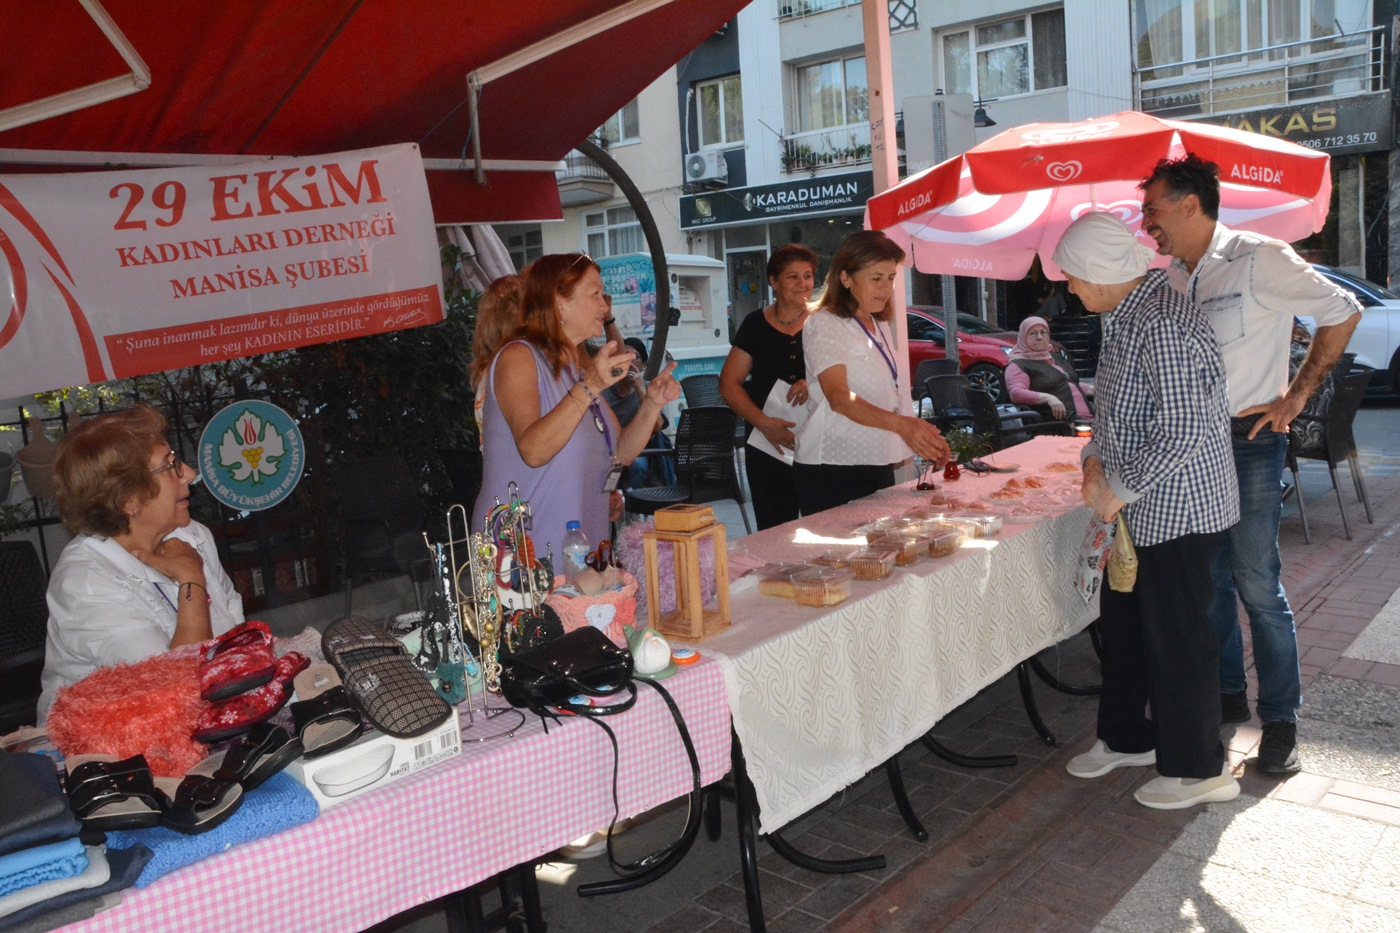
(706,166)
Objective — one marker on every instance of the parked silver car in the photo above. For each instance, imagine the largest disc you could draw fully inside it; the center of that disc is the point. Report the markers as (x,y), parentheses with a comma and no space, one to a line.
(1376,341)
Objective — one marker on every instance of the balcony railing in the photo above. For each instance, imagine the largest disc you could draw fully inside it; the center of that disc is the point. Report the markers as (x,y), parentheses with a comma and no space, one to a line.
(1276,76)
(788,9)
(828,148)
(579,166)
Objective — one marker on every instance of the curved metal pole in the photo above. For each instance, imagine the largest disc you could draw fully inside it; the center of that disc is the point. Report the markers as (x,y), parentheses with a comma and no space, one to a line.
(607,163)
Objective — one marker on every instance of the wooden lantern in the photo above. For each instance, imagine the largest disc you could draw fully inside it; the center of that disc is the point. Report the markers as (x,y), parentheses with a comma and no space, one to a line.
(691,620)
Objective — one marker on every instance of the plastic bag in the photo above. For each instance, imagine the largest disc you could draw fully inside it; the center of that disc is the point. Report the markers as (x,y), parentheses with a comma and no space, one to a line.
(1122,560)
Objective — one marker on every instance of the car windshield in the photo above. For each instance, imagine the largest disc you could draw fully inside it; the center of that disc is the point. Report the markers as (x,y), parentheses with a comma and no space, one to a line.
(1366,286)
(967,323)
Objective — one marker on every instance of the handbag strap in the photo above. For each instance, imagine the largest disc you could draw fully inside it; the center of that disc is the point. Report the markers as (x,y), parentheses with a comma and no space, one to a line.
(633,870)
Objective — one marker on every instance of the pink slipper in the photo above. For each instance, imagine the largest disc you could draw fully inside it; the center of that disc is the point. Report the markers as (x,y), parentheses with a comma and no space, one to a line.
(238,714)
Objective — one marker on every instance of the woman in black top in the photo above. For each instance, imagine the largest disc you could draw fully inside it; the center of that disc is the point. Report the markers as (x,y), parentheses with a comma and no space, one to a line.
(767,348)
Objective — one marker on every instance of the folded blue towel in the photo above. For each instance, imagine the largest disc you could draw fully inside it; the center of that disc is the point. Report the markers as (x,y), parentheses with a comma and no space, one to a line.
(278,804)
(41,863)
(124,866)
(33,808)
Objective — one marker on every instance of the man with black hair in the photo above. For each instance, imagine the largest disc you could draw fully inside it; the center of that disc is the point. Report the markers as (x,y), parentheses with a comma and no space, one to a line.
(1250,287)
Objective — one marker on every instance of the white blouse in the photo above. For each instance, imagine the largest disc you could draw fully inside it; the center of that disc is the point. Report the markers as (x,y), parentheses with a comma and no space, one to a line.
(827,437)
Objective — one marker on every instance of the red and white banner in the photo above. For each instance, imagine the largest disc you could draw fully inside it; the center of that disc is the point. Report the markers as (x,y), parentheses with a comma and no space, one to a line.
(111,274)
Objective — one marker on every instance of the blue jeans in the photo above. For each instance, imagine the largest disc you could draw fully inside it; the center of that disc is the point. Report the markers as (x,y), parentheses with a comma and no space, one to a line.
(1248,565)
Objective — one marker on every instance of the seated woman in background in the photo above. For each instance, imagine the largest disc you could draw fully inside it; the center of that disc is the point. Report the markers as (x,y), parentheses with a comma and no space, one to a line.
(140,577)
(1044,379)
(545,425)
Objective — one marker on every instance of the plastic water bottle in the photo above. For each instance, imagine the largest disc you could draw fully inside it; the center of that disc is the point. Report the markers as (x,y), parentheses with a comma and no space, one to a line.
(575,549)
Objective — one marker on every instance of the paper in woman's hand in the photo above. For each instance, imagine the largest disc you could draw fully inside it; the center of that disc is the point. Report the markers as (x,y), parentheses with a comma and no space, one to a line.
(777,406)
(1093,558)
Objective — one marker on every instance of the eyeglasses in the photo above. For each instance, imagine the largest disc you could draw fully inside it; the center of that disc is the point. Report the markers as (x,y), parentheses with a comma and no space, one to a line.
(171,462)
(581,257)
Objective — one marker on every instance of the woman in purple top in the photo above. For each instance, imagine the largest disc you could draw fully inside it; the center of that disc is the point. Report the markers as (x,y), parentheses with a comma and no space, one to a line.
(545,426)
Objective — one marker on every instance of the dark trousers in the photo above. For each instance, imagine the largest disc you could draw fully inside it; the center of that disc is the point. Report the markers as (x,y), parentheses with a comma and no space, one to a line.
(772,488)
(822,486)
(1160,653)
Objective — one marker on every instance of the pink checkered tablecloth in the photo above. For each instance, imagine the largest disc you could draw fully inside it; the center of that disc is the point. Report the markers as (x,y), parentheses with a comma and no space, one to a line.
(499,804)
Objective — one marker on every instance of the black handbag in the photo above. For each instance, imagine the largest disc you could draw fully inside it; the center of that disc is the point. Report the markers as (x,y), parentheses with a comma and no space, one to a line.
(560,674)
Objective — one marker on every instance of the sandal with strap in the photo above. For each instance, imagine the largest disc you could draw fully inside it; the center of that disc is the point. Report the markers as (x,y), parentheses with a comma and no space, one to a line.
(198,803)
(107,794)
(257,756)
(325,717)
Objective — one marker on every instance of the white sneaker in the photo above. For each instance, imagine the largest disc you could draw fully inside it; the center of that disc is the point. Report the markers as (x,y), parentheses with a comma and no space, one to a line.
(1101,759)
(1171,793)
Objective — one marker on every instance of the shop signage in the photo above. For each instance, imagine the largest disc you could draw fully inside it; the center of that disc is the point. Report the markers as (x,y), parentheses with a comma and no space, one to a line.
(816,196)
(631,282)
(112,274)
(251,455)
(1339,126)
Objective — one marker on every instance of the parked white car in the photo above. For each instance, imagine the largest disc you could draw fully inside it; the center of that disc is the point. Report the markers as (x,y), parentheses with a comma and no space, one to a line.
(1376,340)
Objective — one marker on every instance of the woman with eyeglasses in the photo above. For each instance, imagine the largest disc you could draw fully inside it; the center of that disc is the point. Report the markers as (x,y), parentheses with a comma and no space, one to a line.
(545,425)
(1043,378)
(140,576)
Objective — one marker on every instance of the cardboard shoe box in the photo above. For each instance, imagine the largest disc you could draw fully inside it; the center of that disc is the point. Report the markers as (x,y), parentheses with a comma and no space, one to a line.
(373,760)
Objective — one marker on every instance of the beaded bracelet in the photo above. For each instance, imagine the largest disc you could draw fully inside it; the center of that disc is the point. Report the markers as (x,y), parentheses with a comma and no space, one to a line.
(583,381)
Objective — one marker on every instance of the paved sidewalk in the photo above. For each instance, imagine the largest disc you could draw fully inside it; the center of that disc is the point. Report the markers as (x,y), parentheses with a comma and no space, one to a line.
(1032,849)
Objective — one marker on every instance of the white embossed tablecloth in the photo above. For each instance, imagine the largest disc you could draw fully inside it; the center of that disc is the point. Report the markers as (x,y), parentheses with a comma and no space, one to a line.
(820,697)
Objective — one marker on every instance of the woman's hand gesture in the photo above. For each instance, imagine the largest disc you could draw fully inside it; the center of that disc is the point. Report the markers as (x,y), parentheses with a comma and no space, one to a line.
(924,439)
(664,388)
(608,366)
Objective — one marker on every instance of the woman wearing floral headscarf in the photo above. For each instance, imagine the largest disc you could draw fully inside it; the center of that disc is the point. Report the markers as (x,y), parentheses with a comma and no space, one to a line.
(1042,378)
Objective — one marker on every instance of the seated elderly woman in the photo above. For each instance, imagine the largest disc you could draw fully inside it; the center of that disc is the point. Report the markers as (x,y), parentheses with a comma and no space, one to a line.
(1042,378)
(140,576)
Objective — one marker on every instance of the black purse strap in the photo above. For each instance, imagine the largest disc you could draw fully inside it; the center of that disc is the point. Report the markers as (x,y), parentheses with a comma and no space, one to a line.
(650,867)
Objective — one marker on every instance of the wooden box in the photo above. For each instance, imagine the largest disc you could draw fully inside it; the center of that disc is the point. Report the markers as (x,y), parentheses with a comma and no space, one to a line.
(684,517)
(690,621)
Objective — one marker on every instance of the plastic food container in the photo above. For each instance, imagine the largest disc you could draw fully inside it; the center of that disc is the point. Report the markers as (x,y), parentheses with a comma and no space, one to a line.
(823,586)
(873,563)
(987,524)
(776,579)
(878,527)
(908,548)
(946,541)
(839,559)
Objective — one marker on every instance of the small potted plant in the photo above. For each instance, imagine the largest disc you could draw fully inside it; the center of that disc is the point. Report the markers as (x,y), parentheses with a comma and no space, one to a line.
(966,447)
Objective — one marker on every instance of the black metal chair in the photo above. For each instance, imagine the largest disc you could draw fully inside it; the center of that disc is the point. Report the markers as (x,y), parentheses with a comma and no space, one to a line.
(705,469)
(928,368)
(1005,426)
(702,391)
(383,520)
(24,617)
(1327,435)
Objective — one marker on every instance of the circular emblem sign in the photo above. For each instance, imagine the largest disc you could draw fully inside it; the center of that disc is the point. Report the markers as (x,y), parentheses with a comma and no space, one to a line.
(251,456)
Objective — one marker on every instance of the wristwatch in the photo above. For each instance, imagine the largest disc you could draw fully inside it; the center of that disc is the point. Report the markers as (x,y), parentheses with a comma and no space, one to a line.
(609,322)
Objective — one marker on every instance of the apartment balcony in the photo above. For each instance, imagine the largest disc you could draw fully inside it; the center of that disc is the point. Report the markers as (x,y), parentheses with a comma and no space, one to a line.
(1277,76)
(582,181)
(792,9)
(833,147)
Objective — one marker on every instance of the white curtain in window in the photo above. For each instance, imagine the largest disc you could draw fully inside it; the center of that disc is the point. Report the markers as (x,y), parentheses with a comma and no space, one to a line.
(1160,37)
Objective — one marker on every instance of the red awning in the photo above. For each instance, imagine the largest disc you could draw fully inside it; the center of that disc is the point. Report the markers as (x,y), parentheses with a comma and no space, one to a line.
(296,77)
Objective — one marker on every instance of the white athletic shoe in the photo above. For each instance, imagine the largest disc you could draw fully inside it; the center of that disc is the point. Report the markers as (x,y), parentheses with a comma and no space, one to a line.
(1101,759)
(1171,793)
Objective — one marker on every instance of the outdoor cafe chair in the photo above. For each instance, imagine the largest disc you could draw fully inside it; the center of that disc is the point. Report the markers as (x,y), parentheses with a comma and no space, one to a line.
(1327,435)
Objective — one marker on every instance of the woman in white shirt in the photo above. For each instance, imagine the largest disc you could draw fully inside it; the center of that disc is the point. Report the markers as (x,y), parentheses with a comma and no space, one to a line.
(857,430)
(140,576)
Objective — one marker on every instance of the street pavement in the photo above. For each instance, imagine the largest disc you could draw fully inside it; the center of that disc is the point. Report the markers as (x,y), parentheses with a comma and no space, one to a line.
(1031,848)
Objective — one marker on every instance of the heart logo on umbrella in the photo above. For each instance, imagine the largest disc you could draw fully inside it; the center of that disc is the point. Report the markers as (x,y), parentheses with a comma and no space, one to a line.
(1063,171)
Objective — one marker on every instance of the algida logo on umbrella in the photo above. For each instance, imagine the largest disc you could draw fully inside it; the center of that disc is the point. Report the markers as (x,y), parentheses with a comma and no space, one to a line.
(251,455)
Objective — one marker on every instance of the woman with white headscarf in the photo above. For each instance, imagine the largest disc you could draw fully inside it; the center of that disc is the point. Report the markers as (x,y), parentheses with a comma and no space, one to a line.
(1043,378)
(1161,456)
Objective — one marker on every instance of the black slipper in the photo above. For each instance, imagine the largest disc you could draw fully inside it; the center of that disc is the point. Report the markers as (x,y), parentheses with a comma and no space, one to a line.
(325,717)
(258,755)
(199,803)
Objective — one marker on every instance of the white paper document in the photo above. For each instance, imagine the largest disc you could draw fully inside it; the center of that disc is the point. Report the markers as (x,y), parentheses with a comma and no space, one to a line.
(777,406)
